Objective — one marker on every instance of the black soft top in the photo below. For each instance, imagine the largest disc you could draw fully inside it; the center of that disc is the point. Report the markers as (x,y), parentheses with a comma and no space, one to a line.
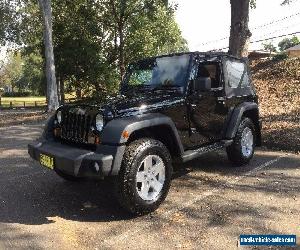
(209,54)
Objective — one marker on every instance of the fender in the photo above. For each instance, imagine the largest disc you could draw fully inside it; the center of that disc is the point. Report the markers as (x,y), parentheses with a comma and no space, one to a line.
(113,131)
(236,117)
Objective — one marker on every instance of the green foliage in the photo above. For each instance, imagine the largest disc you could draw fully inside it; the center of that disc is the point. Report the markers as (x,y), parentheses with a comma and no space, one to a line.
(17,94)
(288,43)
(252,4)
(154,35)
(19,25)
(33,77)
(82,46)
(11,71)
(94,40)
(284,2)
(9,21)
(23,72)
(269,47)
(280,57)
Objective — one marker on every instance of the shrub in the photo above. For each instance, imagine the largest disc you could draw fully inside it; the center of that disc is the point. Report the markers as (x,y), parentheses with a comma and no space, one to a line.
(280,57)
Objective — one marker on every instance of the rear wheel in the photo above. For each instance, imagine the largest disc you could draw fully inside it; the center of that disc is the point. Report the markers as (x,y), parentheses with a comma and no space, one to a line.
(145,176)
(241,150)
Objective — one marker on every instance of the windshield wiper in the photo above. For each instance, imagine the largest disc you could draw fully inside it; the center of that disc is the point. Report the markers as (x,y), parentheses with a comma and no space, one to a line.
(173,87)
(139,87)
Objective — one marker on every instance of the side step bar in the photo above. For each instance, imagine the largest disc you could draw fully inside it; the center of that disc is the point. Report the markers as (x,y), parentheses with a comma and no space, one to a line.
(192,154)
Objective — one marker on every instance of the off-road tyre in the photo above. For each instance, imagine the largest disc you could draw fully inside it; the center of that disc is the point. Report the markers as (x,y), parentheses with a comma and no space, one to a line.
(125,184)
(234,151)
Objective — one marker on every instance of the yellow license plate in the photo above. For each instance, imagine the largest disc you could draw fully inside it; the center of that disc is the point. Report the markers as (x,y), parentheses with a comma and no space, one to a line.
(47,161)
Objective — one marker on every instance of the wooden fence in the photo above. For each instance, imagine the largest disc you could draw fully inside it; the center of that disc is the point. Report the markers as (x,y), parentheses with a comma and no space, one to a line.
(27,104)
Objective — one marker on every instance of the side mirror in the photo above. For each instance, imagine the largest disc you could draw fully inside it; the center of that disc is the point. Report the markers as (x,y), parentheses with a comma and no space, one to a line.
(202,84)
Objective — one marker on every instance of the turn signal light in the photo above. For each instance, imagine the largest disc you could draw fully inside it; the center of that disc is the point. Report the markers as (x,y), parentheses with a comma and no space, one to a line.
(125,134)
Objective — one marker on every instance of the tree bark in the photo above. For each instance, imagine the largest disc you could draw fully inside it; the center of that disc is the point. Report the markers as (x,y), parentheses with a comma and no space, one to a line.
(58,89)
(78,93)
(239,30)
(121,37)
(52,97)
(62,91)
(121,53)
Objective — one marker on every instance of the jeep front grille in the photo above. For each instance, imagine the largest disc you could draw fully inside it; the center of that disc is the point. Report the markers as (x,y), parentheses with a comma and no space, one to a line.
(76,127)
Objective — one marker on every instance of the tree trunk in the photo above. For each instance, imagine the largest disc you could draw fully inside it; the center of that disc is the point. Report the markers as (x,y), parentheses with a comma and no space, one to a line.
(78,93)
(121,37)
(52,97)
(121,53)
(62,91)
(239,30)
(58,89)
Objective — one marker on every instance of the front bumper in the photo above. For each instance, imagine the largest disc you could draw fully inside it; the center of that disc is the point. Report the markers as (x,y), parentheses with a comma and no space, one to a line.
(74,161)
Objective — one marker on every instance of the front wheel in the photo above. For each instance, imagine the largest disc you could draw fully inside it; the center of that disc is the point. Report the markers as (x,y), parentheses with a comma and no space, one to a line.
(241,150)
(145,176)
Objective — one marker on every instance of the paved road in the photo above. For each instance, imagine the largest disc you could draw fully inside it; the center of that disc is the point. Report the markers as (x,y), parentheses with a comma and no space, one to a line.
(209,205)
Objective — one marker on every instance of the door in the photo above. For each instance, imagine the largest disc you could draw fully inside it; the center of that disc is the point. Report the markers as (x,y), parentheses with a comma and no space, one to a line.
(206,109)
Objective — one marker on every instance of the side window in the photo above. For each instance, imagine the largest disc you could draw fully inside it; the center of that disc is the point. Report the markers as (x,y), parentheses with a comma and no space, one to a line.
(237,74)
(210,70)
(245,82)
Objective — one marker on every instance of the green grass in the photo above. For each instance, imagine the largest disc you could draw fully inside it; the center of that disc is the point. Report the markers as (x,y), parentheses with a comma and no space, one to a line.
(29,101)
(19,101)
(24,99)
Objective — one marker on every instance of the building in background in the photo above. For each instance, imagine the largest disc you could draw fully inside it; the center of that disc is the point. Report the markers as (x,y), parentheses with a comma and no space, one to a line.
(294,51)
(260,54)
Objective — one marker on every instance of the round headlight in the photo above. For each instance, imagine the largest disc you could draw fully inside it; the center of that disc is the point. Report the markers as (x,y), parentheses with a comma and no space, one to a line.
(99,122)
(58,116)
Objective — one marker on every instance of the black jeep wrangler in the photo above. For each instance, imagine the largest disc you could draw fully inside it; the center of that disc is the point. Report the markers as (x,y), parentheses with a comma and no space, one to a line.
(170,108)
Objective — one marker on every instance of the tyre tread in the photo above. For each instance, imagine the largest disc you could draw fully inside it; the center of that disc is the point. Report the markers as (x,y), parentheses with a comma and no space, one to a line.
(125,180)
(234,150)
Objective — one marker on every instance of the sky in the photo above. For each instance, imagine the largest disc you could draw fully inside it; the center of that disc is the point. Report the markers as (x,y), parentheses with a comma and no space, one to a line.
(202,22)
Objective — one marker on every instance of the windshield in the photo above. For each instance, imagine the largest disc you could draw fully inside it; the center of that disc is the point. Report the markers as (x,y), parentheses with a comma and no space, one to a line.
(158,72)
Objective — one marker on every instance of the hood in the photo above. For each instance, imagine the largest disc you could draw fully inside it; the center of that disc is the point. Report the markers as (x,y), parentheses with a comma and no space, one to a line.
(121,105)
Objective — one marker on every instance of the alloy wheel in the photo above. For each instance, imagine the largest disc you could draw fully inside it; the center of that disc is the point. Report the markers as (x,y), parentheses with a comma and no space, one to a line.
(150,177)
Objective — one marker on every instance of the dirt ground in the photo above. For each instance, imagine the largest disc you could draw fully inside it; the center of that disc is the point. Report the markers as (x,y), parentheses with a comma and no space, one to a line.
(209,205)
(278,87)
(9,117)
